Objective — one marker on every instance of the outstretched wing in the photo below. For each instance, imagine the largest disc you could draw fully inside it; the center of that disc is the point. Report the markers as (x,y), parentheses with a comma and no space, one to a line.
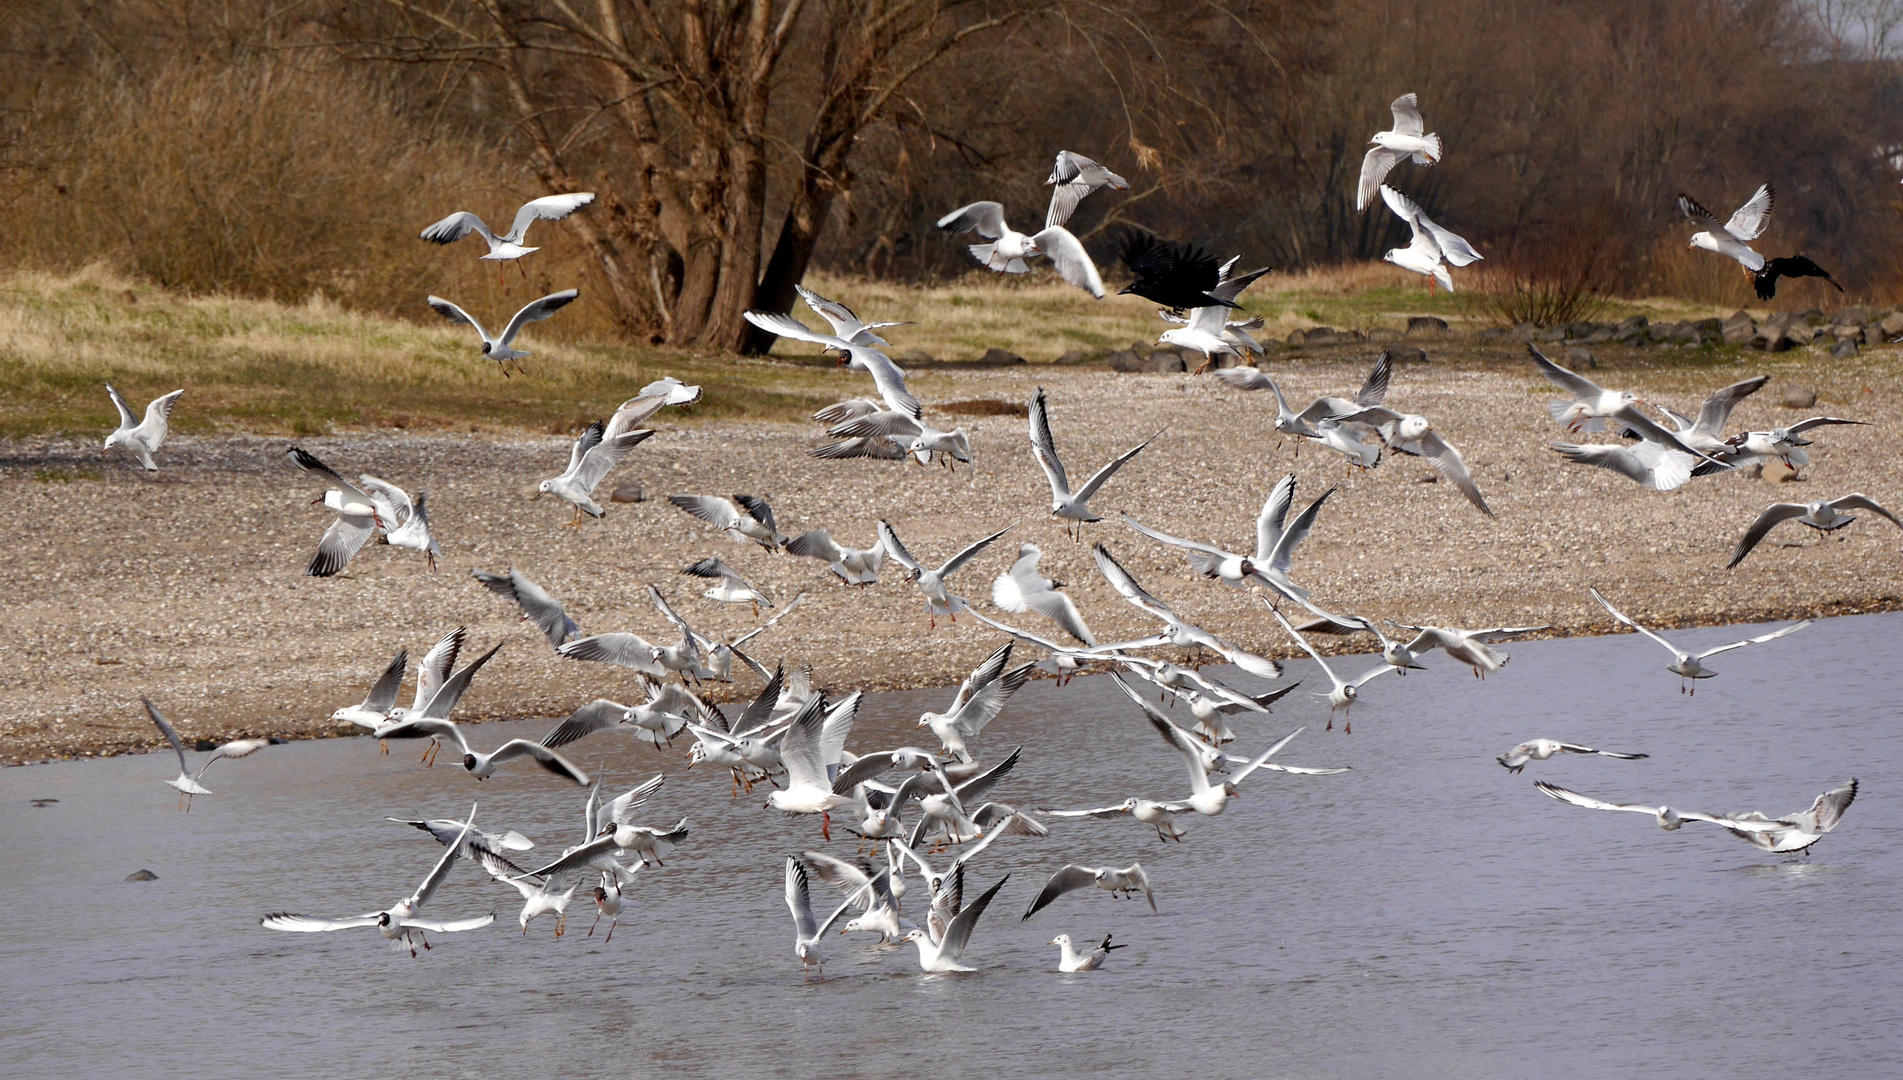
(1773,516)
(952,564)
(1573,383)
(537,310)
(1071,261)
(984,218)
(546,208)
(1749,220)
(455,314)
(1069,879)
(126,418)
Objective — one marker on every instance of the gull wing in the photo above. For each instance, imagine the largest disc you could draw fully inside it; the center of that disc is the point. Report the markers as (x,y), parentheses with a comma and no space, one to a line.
(1100,812)
(986,701)
(601,459)
(844,322)
(584,444)
(1590,803)
(839,873)
(975,789)
(837,728)
(306,924)
(895,549)
(1718,405)
(1071,878)
(455,227)
(885,422)
(1772,636)
(800,747)
(1828,810)
(1101,476)
(536,311)
(1770,518)
(546,208)
(577,858)
(622,807)
(1580,387)
(1748,221)
(383,693)
(166,729)
(541,755)
(667,612)
(1174,541)
(1175,736)
(346,536)
(1698,215)
(787,326)
(1127,586)
(1271,522)
(1282,557)
(1649,430)
(889,379)
(434,671)
(1856,500)
(1044,447)
(424,727)
(598,715)
(455,314)
(1071,261)
(758,510)
(451,926)
(1441,454)
(1263,758)
(441,870)
(1407,115)
(815,544)
(126,417)
(1375,167)
(391,501)
(958,932)
(1302,641)
(537,605)
(1818,421)
(760,713)
(1634,464)
(1621,616)
(443,702)
(952,564)
(1060,609)
(159,412)
(626,650)
(985,218)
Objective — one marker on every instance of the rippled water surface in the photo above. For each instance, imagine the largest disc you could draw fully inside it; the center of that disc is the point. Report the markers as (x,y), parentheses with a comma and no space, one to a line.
(1427,914)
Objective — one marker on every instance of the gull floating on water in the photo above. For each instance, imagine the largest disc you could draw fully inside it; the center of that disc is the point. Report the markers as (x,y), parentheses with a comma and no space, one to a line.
(1691,665)
(593,456)
(497,348)
(1008,250)
(398,923)
(508,246)
(1072,506)
(1073,177)
(141,437)
(1120,884)
(938,600)
(1433,248)
(1732,238)
(187,781)
(946,952)
(1070,961)
(887,376)
(751,520)
(854,566)
(845,324)
(1794,833)
(1407,138)
(1022,589)
(1824,515)
(1540,749)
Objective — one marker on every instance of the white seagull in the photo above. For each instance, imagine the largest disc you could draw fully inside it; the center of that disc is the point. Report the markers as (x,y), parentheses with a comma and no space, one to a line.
(437,691)
(1590,403)
(1660,461)
(141,437)
(376,705)
(1473,648)
(187,781)
(497,348)
(1176,630)
(1691,665)
(1781,835)
(538,894)
(508,246)
(1120,884)
(854,566)
(732,588)
(1276,539)
(938,600)
(1204,798)
(592,457)
(808,932)
(406,522)
(886,375)
(1073,177)
(1022,588)
(1541,749)
(981,697)
(845,324)
(1008,249)
(810,750)
(1344,692)
(1732,238)
(358,517)
(946,952)
(1072,506)
(537,605)
(751,520)
(1389,148)
(483,766)
(1070,961)
(1204,329)
(916,437)
(1432,248)
(1824,515)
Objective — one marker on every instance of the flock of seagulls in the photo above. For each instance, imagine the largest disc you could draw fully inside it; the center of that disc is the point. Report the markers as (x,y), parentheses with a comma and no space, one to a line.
(909,805)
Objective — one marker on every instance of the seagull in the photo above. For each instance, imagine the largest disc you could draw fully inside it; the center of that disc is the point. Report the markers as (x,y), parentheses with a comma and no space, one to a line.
(1590,404)
(1072,506)
(938,601)
(646,841)
(944,953)
(1399,655)
(980,698)
(141,438)
(1314,422)
(880,448)
(1732,239)
(1160,816)
(1824,515)
(669,708)
(1070,961)
(1204,798)
(358,517)
(810,749)
(1177,631)
(871,892)
(854,566)
(1073,177)
(1204,328)
(1540,749)
(1691,665)
(942,803)
(377,704)
(602,836)
(915,436)
(845,324)
(1413,434)
(538,894)
(1065,661)
(432,675)
(1473,648)
(683,659)
(406,522)
(497,348)
(1179,276)
(751,520)
(537,605)
(592,457)
(444,691)
(1756,447)
(1432,249)
(1661,461)
(187,781)
(608,902)
(1120,884)
(1389,148)
(1022,588)
(1234,333)
(398,923)
(1008,250)
(1782,835)
(449,831)
(508,246)
(483,766)
(807,931)
(1765,280)
(1345,692)
(1276,539)
(887,376)
(733,589)
(1209,710)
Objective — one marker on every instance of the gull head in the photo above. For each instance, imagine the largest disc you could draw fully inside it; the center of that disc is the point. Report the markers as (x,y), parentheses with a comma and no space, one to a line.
(1061,940)
(1669,819)
(925,719)
(600,895)
(384,920)
(469,762)
(1229,789)
(1412,427)
(546,487)
(1351,692)
(116,438)
(485,348)
(1247,566)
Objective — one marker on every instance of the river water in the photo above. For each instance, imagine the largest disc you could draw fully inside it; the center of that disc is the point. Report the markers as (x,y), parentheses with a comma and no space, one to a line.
(1426,915)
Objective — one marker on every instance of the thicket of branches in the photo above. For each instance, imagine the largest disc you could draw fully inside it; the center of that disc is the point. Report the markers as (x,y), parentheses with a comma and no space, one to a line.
(286,148)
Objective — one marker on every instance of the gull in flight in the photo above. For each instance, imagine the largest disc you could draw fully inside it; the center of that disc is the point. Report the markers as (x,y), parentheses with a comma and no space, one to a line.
(1690,666)
(537,605)
(1070,961)
(437,691)
(1235,334)
(809,932)
(593,456)
(1750,448)
(483,766)
(1432,249)
(1072,506)
(1064,661)
(508,246)
(1473,648)
(1160,816)
(854,566)
(405,519)
(1316,421)
(1732,238)
(538,893)
(981,697)
(869,891)
(1276,539)
(376,705)
(1661,460)
(751,520)
(938,600)
(810,749)
(1590,404)
(1205,798)
(1209,710)
(1009,250)
(187,781)
(878,448)
(845,324)
(1176,631)
(1344,692)
(669,709)
(608,902)
(887,376)
(358,517)
(141,437)
(1407,138)
(1022,588)
(1414,435)
(1120,884)
(733,589)
(745,747)
(497,348)
(942,803)
(398,923)
(1073,177)
(1824,515)
(1205,328)
(1179,276)
(1706,434)
(603,833)
(1540,749)
(450,831)
(945,952)
(1794,833)
(918,438)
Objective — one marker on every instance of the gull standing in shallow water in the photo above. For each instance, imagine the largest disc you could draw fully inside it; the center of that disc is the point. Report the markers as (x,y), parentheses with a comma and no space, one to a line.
(938,601)
(1824,515)
(1540,749)
(1072,506)
(808,932)
(398,923)
(187,781)
(141,438)
(497,348)
(1691,665)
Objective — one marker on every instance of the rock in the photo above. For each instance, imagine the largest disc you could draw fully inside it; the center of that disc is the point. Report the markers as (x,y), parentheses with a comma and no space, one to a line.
(1125,360)
(1384,334)
(1298,337)
(1075,356)
(1405,354)
(1855,315)
(1598,337)
(142,875)
(1738,329)
(995,357)
(1165,363)
(1810,317)
(1551,334)
(627,493)
(1798,332)
(1710,331)
(1632,331)
(1493,334)
(1843,350)
(1798,397)
(1523,331)
(1846,331)
(1893,324)
(917,356)
(1426,326)
(1579,359)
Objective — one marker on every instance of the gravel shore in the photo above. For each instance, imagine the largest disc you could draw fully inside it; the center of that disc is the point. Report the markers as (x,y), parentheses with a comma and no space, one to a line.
(187,585)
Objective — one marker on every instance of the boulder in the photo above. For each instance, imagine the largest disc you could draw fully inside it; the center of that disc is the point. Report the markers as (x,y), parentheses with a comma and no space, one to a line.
(1598,337)
(1632,331)
(1810,316)
(627,493)
(916,356)
(1384,334)
(1663,331)
(1892,325)
(1494,334)
(1846,331)
(1798,397)
(1125,360)
(142,875)
(1298,337)
(1844,349)
(1738,329)
(995,357)
(1550,334)
(1426,326)
(1523,331)
(1798,332)
(1165,363)
(1710,331)
(1074,356)
(1405,354)
(1580,359)
(1855,315)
